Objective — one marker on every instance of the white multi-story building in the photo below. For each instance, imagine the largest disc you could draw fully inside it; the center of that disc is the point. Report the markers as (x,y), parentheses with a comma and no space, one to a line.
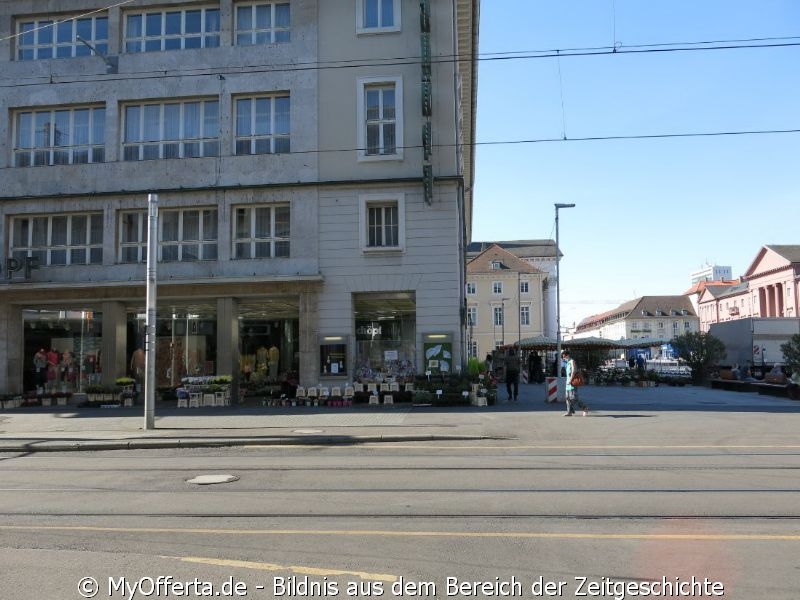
(652,317)
(712,273)
(313,163)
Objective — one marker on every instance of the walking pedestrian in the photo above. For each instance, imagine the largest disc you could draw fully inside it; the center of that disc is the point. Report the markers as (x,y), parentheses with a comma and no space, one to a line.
(512,375)
(571,389)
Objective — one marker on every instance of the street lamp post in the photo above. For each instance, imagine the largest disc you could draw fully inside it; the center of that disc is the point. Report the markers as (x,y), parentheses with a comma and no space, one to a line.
(503,318)
(558,303)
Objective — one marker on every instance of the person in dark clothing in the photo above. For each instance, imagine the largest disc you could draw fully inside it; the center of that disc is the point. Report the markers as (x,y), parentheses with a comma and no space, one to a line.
(535,374)
(512,375)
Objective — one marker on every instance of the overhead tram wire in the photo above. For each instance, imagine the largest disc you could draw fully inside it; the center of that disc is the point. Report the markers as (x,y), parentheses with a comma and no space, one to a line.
(736,44)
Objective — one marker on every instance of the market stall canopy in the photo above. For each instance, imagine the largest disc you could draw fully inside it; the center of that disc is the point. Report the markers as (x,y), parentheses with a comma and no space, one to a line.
(538,342)
(590,343)
(543,342)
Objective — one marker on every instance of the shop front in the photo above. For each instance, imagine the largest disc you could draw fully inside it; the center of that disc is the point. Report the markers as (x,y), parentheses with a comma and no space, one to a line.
(385,336)
(268,338)
(62,349)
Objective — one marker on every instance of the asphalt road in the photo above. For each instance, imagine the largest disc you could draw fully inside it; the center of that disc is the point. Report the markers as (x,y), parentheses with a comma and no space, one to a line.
(620,499)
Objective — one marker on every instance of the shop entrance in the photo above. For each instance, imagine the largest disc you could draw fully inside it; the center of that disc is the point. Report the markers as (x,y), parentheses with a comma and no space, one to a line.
(186,343)
(386,335)
(268,333)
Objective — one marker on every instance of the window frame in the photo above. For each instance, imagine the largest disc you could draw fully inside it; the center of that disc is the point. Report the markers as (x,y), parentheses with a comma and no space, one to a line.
(525,315)
(95,152)
(202,242)
(76,49)
(498,316)
(252,239)
(363,29)
(472,316)
(163,36)
(524,287)
(209,146)
(472,288)
(368,201)
(497,287)
(274,137)
(363,84)
(46,251)
(274,31)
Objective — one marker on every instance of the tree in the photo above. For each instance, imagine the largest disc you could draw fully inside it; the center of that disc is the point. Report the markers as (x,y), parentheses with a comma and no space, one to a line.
(700,351)
(791,353)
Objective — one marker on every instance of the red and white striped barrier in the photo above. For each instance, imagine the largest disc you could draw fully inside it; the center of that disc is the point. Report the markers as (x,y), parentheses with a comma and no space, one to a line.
(551,385)
(524,376)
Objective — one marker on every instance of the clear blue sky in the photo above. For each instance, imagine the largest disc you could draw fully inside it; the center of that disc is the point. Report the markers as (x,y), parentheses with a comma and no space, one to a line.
(649,212)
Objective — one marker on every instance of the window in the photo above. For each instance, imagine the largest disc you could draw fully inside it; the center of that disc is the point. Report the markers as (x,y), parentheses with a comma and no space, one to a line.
(472,316)
(377,16)
(498,315)
(262,125)
(171,130)
(59,239)
(60,136)
(382,222)
(497,287)
(158,31)
(523,287)
(188,235)
(496,266)
(262,23)
(380,112)
(133,237)
(675,326)
(471,288)
(41,39)
(184,235)
(261,232)
(525,315)
(473,349)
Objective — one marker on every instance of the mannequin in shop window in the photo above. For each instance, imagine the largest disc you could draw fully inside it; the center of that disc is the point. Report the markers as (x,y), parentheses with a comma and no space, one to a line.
(53,367)
(138,364)
(40,367)
(69,367)
(274,359)
(261,360)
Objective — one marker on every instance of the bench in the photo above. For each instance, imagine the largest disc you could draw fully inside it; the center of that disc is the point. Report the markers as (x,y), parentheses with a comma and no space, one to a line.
(777,384)
(771,389)
(736,385)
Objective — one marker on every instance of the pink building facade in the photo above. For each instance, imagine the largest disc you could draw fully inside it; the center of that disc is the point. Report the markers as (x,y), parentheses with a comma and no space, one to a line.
(769,288)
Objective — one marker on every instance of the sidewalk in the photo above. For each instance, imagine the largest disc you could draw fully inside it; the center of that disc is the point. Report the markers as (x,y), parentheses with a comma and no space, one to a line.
(40,429)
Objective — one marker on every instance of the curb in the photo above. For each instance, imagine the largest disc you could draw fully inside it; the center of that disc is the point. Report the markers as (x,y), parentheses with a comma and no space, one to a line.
(155,443)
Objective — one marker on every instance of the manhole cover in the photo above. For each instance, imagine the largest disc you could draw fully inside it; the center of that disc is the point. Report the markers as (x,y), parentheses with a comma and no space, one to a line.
(211,479)
(307,431)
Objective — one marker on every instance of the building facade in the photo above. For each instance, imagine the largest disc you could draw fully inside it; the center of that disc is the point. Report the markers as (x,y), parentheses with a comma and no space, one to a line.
(505,300)
(651,317)
(768,289)
(712,273)
(540,254)
(313,190)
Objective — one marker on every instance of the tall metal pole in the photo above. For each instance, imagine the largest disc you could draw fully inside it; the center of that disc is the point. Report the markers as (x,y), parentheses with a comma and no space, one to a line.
(503,320)
(519,313)
(558,303)
(150,326)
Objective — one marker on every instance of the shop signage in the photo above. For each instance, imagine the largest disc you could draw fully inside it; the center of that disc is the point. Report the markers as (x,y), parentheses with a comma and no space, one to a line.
(368,331)
(15,265)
